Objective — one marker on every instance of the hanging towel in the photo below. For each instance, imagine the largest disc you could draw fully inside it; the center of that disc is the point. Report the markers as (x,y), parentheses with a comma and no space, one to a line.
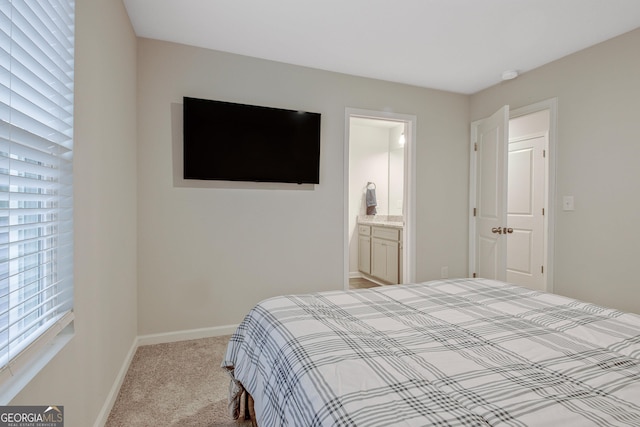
(371,201)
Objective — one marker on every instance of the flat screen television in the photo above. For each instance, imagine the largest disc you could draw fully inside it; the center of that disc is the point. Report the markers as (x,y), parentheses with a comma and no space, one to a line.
(237,142)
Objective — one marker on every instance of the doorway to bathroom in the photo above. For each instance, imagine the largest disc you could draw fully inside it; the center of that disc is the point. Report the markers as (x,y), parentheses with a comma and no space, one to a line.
(379,198)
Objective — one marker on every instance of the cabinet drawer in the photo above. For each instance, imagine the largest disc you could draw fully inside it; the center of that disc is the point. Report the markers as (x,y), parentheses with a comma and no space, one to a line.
(364,230)
(386,233)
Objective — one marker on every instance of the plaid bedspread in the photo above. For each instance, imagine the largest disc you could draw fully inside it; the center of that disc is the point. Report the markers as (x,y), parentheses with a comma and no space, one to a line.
(469,352)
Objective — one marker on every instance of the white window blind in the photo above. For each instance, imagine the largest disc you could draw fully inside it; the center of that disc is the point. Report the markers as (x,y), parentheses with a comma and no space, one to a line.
(36,138)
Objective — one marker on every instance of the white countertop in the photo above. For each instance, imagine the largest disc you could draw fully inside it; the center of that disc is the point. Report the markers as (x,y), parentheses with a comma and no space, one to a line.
(392,221)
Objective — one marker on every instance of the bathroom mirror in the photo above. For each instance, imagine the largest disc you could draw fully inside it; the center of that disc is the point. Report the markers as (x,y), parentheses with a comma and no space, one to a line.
(377,156)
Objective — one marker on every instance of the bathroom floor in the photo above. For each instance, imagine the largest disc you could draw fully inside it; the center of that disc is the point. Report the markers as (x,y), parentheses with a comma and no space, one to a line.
(361,283)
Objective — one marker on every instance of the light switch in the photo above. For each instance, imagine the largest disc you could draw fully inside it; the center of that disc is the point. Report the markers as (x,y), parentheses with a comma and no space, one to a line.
(567,203)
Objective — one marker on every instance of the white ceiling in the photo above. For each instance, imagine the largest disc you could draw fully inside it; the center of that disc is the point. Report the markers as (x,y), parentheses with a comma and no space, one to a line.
(455,45)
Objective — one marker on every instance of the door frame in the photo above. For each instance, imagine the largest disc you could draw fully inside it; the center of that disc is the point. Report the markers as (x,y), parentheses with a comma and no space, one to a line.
(409,196)
(550,191)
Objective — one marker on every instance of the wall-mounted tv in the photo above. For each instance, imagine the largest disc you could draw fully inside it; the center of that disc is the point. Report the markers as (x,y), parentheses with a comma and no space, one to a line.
(237,142)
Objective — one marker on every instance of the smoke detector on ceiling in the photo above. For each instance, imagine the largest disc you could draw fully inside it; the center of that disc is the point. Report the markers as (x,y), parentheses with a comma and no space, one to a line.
(509,75)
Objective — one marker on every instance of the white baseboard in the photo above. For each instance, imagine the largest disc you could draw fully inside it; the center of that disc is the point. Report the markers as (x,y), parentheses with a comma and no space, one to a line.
(191,334)
(140,340)
(115,388)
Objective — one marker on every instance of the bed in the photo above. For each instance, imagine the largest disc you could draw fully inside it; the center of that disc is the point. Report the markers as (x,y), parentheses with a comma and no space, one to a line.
(466,352)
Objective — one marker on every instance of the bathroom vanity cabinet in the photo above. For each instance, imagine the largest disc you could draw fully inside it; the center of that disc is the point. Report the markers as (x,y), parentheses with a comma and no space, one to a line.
(380,252)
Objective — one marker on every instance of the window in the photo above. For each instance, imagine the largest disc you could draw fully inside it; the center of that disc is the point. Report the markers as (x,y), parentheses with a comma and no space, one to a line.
(36,138)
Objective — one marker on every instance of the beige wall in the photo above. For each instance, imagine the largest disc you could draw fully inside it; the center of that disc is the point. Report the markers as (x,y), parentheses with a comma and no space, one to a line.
(82,374)
(207,255)
(598,91)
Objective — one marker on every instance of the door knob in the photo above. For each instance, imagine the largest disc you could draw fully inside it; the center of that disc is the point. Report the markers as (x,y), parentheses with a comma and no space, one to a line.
(501,230)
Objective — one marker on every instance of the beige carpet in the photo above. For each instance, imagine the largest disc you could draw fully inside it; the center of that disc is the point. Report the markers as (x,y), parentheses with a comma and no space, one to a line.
(175,384)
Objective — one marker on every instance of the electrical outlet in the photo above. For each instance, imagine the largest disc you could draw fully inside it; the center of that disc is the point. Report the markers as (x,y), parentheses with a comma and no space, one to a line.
(567,203)
(444,272)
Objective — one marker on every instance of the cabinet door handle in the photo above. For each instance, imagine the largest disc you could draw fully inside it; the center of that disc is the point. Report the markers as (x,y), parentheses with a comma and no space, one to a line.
(496,230)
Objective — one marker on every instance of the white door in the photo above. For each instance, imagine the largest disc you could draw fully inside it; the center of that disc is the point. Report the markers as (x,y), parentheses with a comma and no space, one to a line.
(526,195)
(490,148)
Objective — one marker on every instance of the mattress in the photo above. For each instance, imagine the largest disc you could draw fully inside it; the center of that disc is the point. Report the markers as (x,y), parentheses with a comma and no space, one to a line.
(465,352)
